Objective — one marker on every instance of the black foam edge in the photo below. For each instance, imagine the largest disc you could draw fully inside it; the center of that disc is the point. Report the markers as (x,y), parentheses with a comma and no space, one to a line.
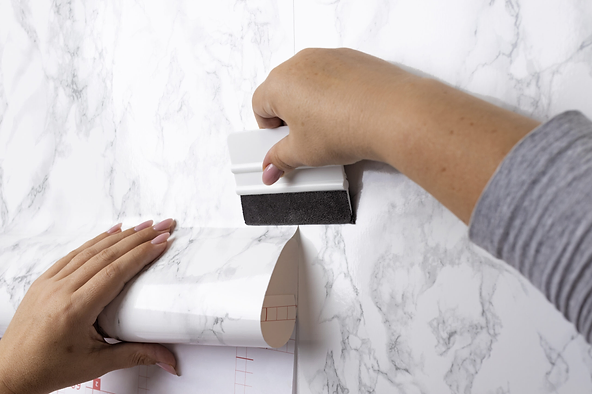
(285,209)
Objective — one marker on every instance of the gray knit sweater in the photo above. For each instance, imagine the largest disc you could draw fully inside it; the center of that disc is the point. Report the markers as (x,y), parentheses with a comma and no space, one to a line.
(536,214)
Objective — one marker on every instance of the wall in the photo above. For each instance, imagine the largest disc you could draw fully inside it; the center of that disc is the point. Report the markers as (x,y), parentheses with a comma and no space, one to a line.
(119,111)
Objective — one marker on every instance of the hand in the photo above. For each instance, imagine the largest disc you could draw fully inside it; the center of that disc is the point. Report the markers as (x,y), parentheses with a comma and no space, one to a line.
(343,106)
(52,341)
(334,101)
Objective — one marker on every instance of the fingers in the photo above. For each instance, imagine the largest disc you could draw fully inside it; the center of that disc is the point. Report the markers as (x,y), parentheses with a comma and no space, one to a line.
(61,263)
(127,355)
(103,287)
(86,254)
(279,160)
(268,123)
(110,253)
(265,114)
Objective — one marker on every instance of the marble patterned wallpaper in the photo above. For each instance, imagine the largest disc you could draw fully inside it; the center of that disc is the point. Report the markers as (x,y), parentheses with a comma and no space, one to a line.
(119,111)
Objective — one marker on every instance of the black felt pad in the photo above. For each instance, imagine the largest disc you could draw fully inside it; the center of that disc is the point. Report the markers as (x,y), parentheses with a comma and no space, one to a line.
(323,207)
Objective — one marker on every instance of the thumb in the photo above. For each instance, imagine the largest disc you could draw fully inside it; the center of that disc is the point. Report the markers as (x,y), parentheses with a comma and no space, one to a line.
(127,355)
(279,160)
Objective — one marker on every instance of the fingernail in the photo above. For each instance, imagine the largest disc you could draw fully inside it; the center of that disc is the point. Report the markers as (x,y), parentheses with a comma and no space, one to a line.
(160,239)
(163,225)
(167,367)
(271,174)
(114,229)
(144,225)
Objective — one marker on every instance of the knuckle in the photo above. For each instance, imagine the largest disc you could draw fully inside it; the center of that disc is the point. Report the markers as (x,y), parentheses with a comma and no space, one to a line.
(108,254)
(274,84)
(138,358)
(112,271)
(139,238)
(134,255)
(308,52)
(272,74)
(71,255)
(139,251)
(86,254)
(280,163)
(141,255)
(256,95)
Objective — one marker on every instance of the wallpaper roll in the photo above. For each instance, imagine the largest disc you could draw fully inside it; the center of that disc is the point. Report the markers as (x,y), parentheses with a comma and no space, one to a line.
(214,286)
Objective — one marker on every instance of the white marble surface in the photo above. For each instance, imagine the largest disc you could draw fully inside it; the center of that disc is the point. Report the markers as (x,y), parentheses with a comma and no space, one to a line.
(120,110)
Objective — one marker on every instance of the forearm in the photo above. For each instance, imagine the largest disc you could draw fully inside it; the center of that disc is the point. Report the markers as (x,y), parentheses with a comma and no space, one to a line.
(447,141)
(3,387)
(343,106)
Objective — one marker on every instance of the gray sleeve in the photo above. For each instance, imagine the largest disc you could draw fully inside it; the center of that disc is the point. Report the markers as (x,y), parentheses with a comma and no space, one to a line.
(536,214)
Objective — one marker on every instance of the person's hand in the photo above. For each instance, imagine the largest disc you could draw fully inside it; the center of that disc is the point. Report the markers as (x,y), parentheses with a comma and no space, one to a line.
(332,100)
(52,341)
(343,106)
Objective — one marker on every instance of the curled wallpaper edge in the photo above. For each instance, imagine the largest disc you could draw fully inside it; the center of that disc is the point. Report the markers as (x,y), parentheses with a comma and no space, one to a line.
(280,307)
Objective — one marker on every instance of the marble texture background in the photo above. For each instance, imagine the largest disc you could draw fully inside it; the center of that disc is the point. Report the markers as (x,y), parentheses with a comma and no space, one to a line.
(119,111)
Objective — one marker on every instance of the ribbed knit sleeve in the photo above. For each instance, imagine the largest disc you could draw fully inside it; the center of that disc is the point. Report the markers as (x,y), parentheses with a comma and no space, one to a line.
(536,214)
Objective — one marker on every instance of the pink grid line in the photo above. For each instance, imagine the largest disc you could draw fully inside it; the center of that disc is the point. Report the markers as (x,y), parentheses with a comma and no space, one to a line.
(143,390)
(268,317)
(246,361)
(286,348)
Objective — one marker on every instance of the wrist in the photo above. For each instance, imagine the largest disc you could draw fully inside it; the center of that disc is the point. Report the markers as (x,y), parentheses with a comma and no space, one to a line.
(397,117)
